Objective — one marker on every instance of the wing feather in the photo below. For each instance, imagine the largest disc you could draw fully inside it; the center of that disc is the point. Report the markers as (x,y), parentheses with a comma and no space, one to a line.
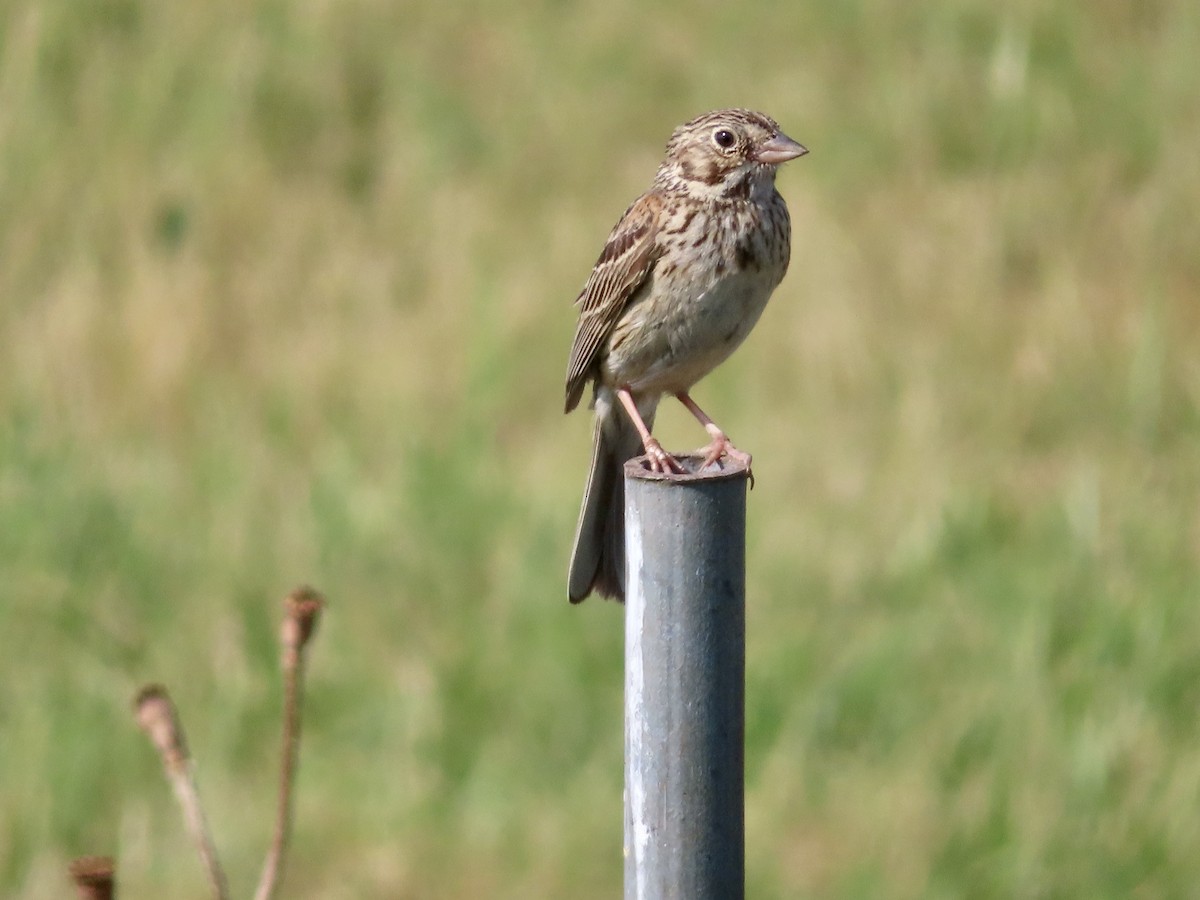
(623,267)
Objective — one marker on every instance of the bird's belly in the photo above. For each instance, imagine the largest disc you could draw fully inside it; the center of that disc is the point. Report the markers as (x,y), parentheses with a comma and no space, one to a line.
(665,344)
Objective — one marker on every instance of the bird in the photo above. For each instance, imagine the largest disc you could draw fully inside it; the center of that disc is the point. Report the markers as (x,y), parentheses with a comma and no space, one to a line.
(682,279)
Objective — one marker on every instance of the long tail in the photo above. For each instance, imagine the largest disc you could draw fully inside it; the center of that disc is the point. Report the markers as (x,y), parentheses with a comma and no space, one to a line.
(598,558)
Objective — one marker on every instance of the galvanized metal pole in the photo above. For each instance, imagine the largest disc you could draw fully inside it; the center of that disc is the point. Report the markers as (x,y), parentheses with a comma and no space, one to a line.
(685,677)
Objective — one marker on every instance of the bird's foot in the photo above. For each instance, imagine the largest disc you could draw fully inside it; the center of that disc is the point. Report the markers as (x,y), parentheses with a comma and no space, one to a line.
(722,446)
(660,460)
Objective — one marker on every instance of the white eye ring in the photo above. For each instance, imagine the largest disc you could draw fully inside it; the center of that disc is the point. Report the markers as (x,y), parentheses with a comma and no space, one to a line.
(724,138)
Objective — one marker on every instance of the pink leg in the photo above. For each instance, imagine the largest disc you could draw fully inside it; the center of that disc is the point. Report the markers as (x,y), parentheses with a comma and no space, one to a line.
(660,459)
(721,445)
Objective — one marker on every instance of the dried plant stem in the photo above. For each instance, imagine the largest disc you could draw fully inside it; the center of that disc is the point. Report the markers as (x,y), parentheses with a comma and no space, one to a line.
(189,799)
(273,866)
(303,607)
(157,717)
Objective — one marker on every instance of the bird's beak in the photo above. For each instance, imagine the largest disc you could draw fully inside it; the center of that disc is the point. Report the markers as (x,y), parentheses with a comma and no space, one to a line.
(779,149)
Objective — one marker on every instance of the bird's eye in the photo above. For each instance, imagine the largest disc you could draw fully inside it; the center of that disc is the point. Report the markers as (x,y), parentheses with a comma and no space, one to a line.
(724,138)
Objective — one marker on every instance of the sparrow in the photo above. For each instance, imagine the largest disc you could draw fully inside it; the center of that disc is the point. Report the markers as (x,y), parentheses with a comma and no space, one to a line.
(681,281)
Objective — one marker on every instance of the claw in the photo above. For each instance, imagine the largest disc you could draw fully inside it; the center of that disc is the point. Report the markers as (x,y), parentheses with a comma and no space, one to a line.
(722,446)
(660,460)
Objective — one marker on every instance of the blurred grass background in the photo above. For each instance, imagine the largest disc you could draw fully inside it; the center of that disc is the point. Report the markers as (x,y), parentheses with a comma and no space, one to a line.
(286,296)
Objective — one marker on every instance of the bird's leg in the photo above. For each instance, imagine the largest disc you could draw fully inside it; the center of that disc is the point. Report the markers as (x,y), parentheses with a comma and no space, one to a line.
(660,459)
(721,445)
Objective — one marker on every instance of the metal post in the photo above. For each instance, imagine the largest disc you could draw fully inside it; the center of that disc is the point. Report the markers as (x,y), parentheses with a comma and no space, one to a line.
(685,676)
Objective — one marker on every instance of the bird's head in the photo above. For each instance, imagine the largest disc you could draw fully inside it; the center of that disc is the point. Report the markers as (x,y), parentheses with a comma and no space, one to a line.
(726,152)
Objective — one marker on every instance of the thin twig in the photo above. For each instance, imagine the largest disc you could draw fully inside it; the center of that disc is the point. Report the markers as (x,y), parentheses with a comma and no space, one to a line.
(157,717)
(95,877)
(303,606)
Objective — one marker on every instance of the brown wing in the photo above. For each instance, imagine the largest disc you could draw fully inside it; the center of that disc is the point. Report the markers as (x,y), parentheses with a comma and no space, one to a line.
(626,261)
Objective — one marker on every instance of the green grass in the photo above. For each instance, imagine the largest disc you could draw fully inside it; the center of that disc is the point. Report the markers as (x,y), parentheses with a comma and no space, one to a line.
(287,297)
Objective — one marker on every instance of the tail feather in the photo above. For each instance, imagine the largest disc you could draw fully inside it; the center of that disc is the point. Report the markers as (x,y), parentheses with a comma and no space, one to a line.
(598,557)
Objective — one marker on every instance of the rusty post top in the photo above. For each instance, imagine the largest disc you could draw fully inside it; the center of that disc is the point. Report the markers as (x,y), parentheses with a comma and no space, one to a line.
(724,469)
